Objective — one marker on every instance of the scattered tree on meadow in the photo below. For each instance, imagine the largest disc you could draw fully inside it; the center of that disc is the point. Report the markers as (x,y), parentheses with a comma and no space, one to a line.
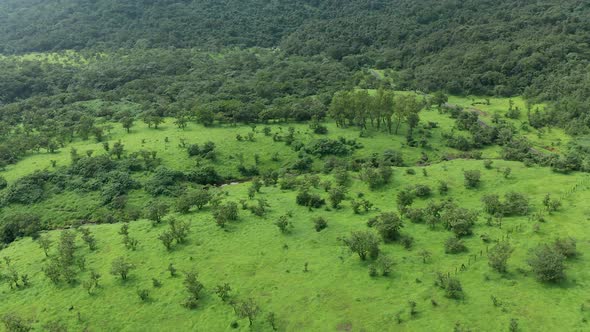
(337,195)
(363,243)
(284,224)
(472,178)
(45,243)
(193,287)
(223,291)
(320,223)
(389,224)
(247,309)
(225,213)
(121,267)
(498,256)
(547,263)
(156,210)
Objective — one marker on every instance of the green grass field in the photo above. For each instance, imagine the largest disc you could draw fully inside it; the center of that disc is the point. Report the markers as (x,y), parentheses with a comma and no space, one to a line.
(337,293)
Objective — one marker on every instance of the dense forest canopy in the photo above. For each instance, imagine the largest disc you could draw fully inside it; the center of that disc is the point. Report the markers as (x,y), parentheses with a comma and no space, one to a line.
(256,60)
(472,47)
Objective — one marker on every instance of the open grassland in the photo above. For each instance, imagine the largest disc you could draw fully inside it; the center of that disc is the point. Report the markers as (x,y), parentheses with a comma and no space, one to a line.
(337,293)
(259,262)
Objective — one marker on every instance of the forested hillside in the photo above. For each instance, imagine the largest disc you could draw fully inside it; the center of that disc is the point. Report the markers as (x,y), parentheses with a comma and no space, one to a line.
(472,47)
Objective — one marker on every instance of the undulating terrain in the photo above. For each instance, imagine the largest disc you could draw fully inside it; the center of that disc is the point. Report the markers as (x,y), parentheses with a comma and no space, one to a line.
(307,165)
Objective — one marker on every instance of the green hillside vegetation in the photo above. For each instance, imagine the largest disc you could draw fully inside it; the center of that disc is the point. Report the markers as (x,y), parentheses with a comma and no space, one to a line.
(308,165)
(259,260)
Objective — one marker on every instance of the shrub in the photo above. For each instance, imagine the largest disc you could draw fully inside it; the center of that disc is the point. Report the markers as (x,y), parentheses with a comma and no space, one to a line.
(326,146)
(19,225)
(337,195)
(363,243)
(498,256)
(305,198)
(443,187)
(454,245)
(492,204)
(224,213)
(320,223)
(193,287)
(385,263)
(547,263)
(515,204)
(415,215)
(206,151)
(566,246)
(121,267)
(453,288)
(472,178)
(407,241)
(288,182)
(14,323)
(284,224)
(388,225)
(459,220)
(404,199)
(204,175)
(392,158)
(422,190)
(144,294)
(164,182)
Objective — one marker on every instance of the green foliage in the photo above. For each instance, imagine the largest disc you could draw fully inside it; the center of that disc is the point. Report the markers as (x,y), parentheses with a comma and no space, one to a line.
(566,247)
(19,225)
(247,309)
(459,220)
(164,181)
(15,323)
(547,263)
(284,224)
(451,285)
(498,256)
(223,291)
(305,198)
(320,223)
(388,224)
(363,243)
(156,210)
(337,195)
(193,287)
(225,213)
(454,245)
(472,178)
(121,267)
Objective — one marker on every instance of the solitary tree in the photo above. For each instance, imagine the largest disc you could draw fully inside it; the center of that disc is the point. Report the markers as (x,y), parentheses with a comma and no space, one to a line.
(547,263)
(121,267)
(223,291)
(193,287)
(45,243)
(117,149)
(337,195)
(498,256)
(156,210)
(127,123)
(363,243)
(247,309)
(472,178)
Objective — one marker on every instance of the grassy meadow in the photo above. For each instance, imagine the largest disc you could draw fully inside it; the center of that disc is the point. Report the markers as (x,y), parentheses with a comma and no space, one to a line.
(336,293)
